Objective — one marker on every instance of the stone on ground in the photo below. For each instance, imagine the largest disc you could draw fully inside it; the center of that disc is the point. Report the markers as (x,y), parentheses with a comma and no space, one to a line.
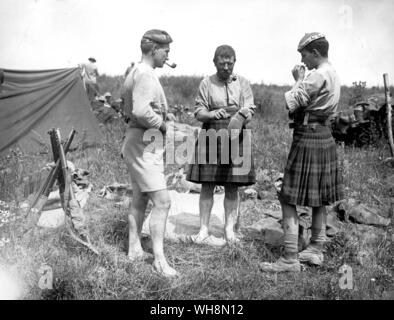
(52,218)
(369,216)
(267,229)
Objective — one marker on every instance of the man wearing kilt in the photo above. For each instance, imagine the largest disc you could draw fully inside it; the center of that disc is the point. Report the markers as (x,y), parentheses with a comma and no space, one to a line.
(221,98)
(311,175)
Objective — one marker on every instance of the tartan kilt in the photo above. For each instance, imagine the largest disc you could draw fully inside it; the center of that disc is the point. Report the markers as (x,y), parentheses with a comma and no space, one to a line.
(312,177)
(225,170)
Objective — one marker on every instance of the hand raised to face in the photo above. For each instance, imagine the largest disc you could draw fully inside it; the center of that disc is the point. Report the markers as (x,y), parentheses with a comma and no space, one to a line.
(298,72)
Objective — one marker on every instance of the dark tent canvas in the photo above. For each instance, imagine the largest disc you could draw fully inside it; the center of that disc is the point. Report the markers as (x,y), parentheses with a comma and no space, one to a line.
(33,102)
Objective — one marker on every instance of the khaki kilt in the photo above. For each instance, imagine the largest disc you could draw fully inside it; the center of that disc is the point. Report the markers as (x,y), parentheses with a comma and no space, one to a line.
(146,166)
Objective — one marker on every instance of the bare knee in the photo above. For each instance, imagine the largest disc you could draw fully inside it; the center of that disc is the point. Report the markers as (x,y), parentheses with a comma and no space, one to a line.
(161,200)
(164,204)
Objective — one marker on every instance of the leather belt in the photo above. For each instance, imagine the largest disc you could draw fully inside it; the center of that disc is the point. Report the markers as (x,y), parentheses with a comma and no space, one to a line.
(293,125)
(310,120)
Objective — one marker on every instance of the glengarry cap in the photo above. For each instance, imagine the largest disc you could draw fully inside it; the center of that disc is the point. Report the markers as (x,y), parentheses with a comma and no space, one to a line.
(158,36)
(308,38)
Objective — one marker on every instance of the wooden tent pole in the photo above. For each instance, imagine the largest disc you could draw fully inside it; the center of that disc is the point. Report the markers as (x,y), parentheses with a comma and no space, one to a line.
(388,106)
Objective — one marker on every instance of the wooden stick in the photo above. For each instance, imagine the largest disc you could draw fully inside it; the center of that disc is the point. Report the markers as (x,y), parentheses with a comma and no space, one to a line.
(388,106)
(69,193)
(72,234)
(41,196)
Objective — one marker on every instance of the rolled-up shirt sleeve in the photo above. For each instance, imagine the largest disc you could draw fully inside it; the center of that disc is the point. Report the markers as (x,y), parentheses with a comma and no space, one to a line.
(202,102)
(143,99)
(246,94)
(307,91)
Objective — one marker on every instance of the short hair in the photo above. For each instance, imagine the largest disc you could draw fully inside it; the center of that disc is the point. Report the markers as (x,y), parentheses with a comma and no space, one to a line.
(148,45)
(154,39)
(320,45)
(224,51)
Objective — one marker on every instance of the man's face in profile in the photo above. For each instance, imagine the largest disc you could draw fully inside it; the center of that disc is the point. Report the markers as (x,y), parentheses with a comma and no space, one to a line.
(309,58)
(160,55)
(224,67)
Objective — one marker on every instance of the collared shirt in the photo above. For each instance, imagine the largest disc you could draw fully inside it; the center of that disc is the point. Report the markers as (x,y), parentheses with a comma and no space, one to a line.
(318,92)
(145,102)
(215,94)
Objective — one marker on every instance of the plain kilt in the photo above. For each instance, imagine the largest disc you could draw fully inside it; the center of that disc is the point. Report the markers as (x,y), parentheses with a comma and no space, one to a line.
(222,173)
(311,176)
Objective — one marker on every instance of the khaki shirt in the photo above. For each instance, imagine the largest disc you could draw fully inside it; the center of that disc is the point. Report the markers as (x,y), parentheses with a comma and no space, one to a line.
(319,92)
(215,94)
(145,102)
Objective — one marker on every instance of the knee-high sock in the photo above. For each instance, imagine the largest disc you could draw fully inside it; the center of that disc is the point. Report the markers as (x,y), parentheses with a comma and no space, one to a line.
(290,228)
(318,225)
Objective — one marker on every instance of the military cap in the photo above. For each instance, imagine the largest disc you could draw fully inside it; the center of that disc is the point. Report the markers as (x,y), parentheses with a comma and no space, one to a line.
(158,36)
(308,38)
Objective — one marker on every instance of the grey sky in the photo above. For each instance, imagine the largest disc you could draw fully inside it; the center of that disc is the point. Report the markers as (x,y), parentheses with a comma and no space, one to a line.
(41,34)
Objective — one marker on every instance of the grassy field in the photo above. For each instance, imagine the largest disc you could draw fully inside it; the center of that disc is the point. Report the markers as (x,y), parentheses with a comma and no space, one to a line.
(206,272)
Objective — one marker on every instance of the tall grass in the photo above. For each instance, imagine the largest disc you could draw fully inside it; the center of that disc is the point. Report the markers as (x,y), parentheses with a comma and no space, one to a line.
(206,272)
(269,99)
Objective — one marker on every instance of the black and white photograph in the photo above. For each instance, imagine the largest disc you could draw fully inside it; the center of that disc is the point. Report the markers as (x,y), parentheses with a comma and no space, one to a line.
(196,156)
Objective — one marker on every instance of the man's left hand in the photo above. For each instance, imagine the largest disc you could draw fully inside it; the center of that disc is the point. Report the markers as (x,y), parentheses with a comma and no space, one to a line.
(298,72)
